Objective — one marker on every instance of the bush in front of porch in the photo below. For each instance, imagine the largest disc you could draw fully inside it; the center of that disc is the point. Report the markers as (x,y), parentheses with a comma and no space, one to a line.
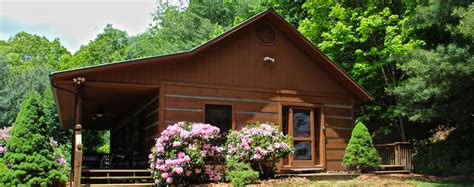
(360,154)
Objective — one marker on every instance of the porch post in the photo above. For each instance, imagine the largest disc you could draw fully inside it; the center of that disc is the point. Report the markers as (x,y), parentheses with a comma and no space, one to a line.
(77,147)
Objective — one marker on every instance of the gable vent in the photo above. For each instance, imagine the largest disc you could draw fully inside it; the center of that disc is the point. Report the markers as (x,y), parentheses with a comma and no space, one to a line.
(266,34)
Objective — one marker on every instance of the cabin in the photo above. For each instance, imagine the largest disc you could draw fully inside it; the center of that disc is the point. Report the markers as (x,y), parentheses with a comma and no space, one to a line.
(262,70)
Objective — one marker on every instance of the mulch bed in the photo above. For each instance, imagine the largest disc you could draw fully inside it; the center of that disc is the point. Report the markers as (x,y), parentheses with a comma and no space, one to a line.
(418,177)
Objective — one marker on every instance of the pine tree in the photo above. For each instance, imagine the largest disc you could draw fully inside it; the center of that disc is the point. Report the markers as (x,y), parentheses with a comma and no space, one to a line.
(29,158)
(360,153)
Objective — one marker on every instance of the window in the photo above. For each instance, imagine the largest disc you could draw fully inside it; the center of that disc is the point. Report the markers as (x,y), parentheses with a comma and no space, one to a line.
(219,116)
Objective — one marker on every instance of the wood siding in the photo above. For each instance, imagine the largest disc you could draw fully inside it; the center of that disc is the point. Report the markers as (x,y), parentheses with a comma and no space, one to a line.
(185,102)
(236,61)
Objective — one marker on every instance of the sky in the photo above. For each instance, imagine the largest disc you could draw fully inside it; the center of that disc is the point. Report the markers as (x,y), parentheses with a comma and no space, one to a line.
(74,22)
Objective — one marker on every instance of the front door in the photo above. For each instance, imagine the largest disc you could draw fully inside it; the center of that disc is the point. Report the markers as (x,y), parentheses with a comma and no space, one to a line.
(304,128)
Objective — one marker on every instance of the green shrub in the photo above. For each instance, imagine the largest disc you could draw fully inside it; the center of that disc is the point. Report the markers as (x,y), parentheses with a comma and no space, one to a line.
(240,173)
(29,159)
(360,153)
(450,155)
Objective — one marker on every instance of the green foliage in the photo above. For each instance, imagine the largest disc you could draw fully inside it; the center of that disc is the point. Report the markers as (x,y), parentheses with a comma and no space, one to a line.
(240,173)
(441,79)
(447,153)
(96,141)
(111,45)
(29,159)
(362,38)
(25,61)
(360,152)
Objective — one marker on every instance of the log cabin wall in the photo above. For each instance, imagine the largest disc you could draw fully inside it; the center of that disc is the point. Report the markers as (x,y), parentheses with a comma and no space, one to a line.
(134,137)
(186,102)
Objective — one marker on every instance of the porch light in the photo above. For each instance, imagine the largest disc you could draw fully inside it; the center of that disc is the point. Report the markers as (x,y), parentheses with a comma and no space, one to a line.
(269,59)
(79,80)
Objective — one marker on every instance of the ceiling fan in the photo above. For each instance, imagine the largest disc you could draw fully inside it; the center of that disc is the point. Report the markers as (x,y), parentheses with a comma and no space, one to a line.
(101,113)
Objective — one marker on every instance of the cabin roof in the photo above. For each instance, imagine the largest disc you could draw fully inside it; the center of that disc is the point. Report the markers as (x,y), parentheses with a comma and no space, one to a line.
(305,44)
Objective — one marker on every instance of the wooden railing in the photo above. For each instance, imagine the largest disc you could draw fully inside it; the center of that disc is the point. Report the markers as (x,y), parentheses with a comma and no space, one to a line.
(396,154)
(77,164)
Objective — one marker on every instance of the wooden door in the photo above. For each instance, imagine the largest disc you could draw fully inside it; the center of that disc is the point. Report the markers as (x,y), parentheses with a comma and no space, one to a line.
(302,128)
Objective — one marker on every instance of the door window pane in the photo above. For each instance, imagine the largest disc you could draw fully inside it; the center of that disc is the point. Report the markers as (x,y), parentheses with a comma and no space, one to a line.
(303,150)
(301,123)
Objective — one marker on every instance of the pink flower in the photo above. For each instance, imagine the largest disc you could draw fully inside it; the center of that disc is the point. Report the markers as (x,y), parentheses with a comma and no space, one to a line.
(176,143)
(150,156)
(206,146)
(197,170)
(181,155)
(169,180)
(186,158)
(188,173)
(178,170)
(257,157)
(164,175)
(277,145)
(270,148)
(160,149)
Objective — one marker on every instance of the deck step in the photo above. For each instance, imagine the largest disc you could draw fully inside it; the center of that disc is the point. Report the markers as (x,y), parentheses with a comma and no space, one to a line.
(119,185)
(115,171)
(392,171)
(306,169)
(117,177)
(392,166)
(120,176)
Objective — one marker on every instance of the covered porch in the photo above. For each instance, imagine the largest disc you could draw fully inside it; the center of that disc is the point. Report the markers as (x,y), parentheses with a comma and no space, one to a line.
(129,112)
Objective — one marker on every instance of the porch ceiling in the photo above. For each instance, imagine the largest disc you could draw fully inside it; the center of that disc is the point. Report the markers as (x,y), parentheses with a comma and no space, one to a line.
(105,104)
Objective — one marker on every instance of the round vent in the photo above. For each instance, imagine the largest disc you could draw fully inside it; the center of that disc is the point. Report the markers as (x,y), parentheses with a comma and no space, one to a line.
(266,34)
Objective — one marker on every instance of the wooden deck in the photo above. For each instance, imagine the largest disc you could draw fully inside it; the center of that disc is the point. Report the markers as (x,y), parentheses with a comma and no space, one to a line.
(396,157)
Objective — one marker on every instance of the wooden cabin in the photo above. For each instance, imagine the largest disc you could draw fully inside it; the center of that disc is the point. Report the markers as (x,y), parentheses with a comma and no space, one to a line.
(261,70)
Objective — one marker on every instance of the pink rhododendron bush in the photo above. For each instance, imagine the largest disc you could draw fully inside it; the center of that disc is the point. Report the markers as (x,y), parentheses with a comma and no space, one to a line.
(259,144)
(183,152)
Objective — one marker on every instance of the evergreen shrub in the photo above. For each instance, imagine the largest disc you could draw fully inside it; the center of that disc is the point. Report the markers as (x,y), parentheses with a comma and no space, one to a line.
(29,159)
(360,153)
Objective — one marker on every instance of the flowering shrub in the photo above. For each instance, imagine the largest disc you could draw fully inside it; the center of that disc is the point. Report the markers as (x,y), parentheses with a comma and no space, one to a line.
(57,155)
(4,135)
(180,154)
(258,144)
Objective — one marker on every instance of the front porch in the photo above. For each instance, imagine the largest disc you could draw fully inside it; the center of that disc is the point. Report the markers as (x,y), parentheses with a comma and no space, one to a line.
(130,113)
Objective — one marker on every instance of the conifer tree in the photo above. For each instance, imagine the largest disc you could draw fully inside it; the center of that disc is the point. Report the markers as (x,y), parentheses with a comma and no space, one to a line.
(360,152)
(29,158)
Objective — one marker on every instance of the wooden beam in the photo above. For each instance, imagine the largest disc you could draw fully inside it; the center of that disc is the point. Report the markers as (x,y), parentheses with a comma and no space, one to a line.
(77,146)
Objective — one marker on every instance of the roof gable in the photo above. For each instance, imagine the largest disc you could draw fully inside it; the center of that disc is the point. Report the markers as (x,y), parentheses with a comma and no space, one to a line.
(269,15)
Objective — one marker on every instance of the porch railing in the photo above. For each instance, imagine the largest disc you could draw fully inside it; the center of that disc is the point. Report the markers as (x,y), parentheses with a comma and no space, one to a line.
(396,154)
(77,164)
